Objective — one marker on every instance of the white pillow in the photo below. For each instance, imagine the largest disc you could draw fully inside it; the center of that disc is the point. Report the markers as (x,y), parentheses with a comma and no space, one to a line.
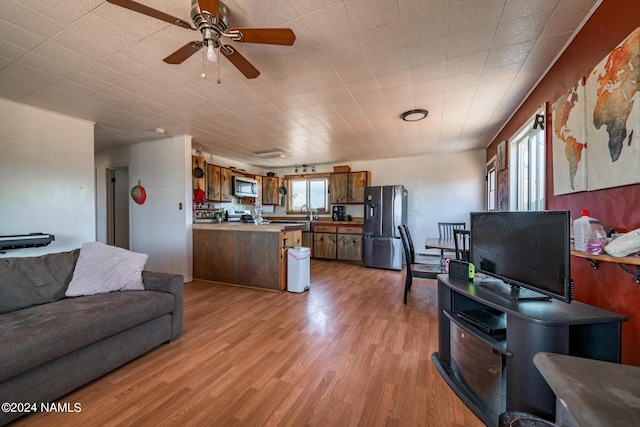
(102,268)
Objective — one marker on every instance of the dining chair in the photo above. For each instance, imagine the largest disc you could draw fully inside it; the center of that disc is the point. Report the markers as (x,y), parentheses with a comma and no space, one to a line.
(423,271)
(445,231)
(462,241)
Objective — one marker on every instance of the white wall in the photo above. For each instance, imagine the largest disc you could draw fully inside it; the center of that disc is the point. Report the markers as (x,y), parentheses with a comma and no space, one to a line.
(161,227)
(46,177)
(442,188)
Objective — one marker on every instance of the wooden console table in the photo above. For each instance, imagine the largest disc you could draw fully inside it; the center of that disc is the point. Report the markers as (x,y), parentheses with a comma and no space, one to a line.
(493,373)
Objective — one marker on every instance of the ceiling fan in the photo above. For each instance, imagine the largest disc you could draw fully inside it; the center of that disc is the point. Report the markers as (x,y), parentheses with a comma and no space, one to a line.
(210,18)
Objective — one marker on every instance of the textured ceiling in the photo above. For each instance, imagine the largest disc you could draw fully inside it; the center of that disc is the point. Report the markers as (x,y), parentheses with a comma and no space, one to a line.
(335,95)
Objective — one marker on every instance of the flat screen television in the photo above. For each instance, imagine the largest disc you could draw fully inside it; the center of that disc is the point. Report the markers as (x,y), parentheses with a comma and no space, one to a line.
(525,250)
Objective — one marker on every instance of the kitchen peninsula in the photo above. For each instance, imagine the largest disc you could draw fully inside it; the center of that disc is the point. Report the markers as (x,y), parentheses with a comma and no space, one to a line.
(244,254)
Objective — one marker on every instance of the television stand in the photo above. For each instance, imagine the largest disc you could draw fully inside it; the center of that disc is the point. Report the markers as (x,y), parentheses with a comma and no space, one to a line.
(492,371)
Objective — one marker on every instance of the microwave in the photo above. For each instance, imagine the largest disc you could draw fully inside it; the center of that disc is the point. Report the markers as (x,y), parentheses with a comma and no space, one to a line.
(245,187)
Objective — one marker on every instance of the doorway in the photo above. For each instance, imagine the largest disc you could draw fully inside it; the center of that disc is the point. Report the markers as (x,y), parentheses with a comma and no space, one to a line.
(118,206)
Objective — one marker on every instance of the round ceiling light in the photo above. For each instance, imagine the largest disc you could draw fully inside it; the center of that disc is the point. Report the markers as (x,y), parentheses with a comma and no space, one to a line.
(414,115)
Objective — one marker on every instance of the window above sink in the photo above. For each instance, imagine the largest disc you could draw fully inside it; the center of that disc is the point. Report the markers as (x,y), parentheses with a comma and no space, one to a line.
(308,194)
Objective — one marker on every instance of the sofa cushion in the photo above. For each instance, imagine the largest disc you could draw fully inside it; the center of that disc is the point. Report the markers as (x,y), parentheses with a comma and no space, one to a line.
(102,268)
(29,281)
(37,335)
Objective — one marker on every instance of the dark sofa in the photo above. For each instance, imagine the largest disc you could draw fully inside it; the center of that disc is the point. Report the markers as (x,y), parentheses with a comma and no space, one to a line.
(52,344)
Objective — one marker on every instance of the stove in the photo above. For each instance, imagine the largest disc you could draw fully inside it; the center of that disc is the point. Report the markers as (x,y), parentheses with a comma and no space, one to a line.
(237,215)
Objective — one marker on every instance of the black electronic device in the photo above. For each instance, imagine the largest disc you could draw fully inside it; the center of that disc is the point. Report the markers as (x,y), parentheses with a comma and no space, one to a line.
(20,241)
(339,213)
(491,322)
(524,249)
(461,269)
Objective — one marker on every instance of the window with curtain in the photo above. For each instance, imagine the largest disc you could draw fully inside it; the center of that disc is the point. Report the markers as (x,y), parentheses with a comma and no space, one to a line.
(527,167)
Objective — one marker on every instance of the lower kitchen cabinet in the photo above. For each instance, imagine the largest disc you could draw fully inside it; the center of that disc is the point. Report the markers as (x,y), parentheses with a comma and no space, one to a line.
(324,241)
(341,242)
(243,254)
(350,243)
(307,239)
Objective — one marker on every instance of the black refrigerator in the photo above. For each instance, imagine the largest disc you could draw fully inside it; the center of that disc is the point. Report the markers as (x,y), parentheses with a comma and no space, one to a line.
(385,208)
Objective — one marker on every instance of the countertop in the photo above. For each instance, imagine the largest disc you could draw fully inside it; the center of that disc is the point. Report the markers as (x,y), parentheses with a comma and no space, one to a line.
(331,222)
(593,392)
(322,220)
(240,226)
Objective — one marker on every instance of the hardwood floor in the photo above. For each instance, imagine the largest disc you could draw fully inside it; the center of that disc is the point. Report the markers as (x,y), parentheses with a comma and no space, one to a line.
(346,353)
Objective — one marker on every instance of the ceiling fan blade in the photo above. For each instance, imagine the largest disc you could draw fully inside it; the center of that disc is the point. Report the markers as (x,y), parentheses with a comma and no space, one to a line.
(149,11)
(182,54)
(281,36)
(240,62)
(210,6)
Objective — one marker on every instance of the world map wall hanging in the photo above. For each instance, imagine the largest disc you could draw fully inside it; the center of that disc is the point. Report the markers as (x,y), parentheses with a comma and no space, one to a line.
(596,125)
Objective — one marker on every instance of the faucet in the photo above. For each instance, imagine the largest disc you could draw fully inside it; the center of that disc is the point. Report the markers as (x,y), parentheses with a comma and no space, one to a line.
(306,208)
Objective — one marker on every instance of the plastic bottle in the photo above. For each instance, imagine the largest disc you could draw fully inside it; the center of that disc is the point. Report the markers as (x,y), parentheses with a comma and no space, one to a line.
(597,240)
(582,228)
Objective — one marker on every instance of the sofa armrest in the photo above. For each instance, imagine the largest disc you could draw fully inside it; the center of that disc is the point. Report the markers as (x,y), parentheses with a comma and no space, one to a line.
(174,284)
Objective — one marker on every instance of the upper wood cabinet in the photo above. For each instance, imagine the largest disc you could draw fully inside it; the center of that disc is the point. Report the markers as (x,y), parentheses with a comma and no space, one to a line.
(219,184)
(338,184)
(226,184)
(357,182)
(270,190)
(348,187)
(259,181)
(201,183)
(213,182)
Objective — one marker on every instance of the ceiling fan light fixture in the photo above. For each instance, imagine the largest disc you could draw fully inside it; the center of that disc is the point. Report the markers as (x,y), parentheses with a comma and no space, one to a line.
(414,115)
(211,53)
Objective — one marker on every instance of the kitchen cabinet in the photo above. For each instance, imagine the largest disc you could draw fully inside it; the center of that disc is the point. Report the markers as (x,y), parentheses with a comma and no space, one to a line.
(307,239)
(341,242)
(219,185)
(350,243)
(348,187)
(201,183)
(213,183)
(259,183)
(270,190)
(226,185)
(325,241)
(243,254)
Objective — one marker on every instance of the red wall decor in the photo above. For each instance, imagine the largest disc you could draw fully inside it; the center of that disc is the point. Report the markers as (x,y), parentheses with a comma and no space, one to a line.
(138,193)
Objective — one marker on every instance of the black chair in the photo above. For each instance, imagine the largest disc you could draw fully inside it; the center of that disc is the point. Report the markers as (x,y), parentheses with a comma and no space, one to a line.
(462,240)
(445,231)
(423,271)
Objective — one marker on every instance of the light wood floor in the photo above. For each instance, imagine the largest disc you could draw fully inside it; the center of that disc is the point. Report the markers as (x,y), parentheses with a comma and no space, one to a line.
(346,353)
